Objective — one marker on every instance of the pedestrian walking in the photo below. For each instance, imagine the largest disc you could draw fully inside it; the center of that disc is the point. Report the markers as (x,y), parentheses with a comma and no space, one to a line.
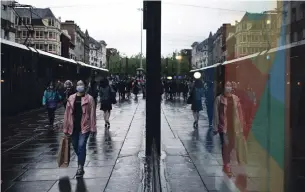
(50,99)
(92,89)
(196,100)
(228,122)
(79,122)
(136,89)
(69,90)
(107,98)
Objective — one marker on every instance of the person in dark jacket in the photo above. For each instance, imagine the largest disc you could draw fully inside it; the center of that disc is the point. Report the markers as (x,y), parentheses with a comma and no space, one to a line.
(69,90)
(136,89)
(197,94)
(106,99)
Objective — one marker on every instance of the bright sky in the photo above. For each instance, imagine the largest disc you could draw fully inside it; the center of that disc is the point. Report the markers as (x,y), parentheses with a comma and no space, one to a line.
(118,22)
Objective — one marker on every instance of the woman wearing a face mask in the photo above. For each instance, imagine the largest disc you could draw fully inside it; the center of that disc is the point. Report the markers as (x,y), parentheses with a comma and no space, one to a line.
(50,99)
(79,121)
(228,122)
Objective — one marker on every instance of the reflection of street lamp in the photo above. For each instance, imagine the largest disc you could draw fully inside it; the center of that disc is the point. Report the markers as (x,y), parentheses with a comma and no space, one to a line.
(178,57)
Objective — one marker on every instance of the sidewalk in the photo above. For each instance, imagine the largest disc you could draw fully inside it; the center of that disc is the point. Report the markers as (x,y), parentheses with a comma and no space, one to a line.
(114,159)
(190,162)
(193,159)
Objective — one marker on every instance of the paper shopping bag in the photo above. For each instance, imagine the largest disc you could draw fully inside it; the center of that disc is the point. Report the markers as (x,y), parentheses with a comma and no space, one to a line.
(241,149)
(63,158)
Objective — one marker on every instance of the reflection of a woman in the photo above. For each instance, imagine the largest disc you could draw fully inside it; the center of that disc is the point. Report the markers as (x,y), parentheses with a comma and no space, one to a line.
(228,122)
(107,142)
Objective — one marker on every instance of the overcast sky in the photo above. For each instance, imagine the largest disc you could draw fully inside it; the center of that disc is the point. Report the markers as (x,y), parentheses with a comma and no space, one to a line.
(118,22)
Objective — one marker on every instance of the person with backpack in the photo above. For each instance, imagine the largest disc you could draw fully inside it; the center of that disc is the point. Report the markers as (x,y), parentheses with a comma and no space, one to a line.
(107,98)
(50,99)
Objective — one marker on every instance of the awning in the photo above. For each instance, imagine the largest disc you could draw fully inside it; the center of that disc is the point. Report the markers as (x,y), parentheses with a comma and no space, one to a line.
(90,66)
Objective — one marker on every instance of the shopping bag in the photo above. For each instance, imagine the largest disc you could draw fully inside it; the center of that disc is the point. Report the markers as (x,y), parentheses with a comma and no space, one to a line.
(63,158)
(241,149)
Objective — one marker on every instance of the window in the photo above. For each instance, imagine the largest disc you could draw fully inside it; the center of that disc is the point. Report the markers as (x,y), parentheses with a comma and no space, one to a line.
(39,35)
(244,38)
(52,48)
(24,34)
(39,46)
(295,37)
(244,50)
(26,21)
(18,34)
(51,22)
(244,26)
(52,35)
(293,14)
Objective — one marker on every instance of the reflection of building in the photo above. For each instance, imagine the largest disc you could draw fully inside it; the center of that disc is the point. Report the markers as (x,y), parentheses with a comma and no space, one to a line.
(292,19)
(200,54)
(46,32)
(77,38)
(8,29)
(229,41)
(255,32)
(217,53)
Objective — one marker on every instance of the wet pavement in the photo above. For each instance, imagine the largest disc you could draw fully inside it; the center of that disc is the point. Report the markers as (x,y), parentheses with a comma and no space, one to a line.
(190,161)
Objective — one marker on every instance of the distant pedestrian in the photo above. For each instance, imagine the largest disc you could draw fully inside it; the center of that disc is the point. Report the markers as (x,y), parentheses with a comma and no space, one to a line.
(197,94)
(107,98)
(92,89)
(69,90)
(136,89)
(79,121)
(50,99)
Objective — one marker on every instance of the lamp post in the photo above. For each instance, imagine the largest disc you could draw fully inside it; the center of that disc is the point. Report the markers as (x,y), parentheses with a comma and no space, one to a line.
(141,64)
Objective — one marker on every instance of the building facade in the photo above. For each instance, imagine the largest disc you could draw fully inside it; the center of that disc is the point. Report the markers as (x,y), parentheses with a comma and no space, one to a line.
(255,32)
(200,54)
(97,54)
(8,29)
(104,54)
(42,31)
(77,39)
(66,44)
(217,52)
(291,21)
(229,41)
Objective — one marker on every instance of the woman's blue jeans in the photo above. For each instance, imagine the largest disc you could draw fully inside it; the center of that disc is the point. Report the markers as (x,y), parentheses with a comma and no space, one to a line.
(79,142)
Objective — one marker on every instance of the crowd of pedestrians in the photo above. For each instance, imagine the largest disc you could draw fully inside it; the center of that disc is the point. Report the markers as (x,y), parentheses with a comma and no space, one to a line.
(229,111)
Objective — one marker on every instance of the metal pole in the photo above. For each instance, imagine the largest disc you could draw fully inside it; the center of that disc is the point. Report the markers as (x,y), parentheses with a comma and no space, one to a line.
(141,64)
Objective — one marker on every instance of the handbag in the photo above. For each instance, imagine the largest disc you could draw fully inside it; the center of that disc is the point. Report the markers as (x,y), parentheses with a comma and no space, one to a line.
(240,141)
(63,158)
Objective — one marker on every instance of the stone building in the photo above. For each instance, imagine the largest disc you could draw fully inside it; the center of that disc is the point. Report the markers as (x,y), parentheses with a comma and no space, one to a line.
(8,29)
(40,30)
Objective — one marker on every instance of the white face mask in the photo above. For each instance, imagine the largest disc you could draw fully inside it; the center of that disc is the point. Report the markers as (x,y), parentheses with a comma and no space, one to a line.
(80,88)
(228,89)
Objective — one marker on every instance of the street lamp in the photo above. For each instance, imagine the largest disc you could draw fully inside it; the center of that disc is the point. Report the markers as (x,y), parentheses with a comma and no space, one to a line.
(178,57)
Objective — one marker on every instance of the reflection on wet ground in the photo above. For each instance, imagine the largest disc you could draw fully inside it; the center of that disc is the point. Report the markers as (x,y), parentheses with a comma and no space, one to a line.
(190,161)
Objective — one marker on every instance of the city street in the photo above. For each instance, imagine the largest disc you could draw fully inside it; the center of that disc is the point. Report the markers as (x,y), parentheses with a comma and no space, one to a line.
(190,161)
